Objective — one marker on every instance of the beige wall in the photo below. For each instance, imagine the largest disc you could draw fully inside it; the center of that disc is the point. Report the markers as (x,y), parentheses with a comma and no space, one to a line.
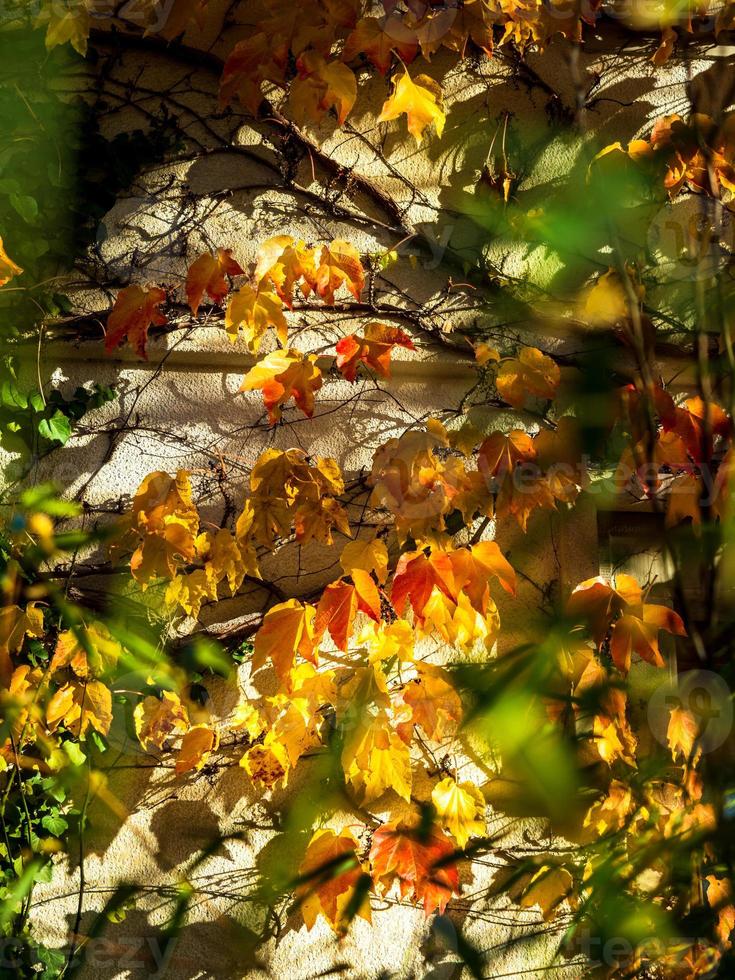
(182,409)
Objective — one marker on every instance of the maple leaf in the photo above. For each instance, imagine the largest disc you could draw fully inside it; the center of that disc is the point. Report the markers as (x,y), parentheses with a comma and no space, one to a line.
(336,613)
(547,888)
(369,38)
(331,872)
(375,759)
(250,63)
(322,85)
(418,860)
(682,734)
(8,268)
(611,811)
(15,625)
(159,720)
(282,375)
(267,764)
(501,452)
(315,519)
(253,312)
(93,654)
(633,624)
(134,311)
(207,275)
(531,373)
(460,808)
(287,629)
(196,747)
(339,264)
(384,641)
(420,99)
(415,578)
(373,348)
(81,705)
(163,523)
(367,556)
(436,706)
(284,261)
(70,22)
(485,354)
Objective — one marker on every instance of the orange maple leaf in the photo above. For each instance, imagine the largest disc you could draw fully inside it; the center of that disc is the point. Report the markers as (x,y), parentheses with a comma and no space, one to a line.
(287,629)
(531,373)
(373,348)
(330,874)
(339,264)
(420,99)
(8,268)
(207,275)
(134,311)
(418,860)
(371,40)
(322,85)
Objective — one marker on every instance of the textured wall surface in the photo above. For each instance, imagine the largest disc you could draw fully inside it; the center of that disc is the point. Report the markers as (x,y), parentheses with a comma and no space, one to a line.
(181,409)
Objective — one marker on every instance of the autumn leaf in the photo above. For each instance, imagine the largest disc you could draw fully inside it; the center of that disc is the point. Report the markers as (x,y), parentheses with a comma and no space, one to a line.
(339,264)
(66,23)
(322,85)
(547,888)
(682,734)
(368,556)
(373,348)
(8,268)
(207,275)
(611,811)
(282,375)
(283,262)
(287,629)
(267,764)
(196,747)
(253,312)
(485,354)
(331,872)
(15,625)
(632,624)
(418,860)
(420,99)
(436,706)
(336,613)
(79,706)
(90,651)
(460,808)
(250,63)
(531,373)
(160,720)
(134,311)
(376,759)
(370,39)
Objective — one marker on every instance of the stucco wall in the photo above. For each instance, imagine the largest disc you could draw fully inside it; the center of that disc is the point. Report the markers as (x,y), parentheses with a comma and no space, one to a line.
(181,409)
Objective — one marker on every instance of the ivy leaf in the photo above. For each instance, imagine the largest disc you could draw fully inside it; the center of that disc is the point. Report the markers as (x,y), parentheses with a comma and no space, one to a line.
(282,375)
(461,809)
(134,311)
(331,873)
(373,348)
(530,373)
(57,428)
(420,100)
(55,824)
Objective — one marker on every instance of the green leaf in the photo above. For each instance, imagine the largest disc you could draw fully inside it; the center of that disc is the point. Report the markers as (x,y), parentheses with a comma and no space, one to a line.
(55,429)
(55,824)
(26,206)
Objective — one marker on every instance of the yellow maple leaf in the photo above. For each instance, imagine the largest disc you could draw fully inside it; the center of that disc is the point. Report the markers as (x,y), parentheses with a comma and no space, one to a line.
(375,759)
(461,809)
(159,721)
(284,374)
(196,747)
(66,21)
(420,99)
(369,556)
(81,705)
(253,312)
